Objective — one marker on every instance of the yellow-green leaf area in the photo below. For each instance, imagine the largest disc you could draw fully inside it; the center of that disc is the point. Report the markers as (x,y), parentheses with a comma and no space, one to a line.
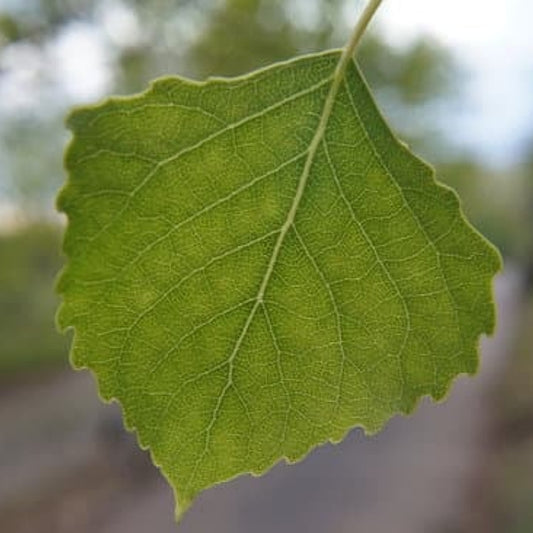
(256,266)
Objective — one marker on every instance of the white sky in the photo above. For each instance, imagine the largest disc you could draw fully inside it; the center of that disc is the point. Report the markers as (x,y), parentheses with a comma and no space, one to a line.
(494,41)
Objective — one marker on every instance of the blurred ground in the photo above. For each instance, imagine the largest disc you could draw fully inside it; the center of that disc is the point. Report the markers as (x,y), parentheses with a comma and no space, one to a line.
(66,466)
(509,458)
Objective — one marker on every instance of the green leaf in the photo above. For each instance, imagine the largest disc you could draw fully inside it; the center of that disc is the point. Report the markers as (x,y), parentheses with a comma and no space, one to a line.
(256,266)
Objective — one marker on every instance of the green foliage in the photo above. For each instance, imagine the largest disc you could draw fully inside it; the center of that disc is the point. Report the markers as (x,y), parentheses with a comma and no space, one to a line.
(257,265)
(29,261)
(494,203)
(419,73)
(9,30)
(260,33)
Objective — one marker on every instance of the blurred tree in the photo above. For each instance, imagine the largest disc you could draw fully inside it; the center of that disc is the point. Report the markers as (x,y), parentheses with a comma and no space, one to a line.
(29,262)
(492,200)
(528,220)
(36,22)
(9,30)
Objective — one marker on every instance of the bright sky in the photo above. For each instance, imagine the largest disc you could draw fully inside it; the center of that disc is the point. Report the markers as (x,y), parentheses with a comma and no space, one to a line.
(494,41)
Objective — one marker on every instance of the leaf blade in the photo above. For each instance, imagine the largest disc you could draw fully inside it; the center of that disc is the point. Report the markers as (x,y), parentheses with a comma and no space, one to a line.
(303,308)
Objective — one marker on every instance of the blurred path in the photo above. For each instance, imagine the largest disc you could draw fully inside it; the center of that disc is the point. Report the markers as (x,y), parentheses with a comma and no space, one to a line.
(413,477)
(46,430)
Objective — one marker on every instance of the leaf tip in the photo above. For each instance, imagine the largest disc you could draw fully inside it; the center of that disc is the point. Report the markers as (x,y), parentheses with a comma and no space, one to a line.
(182,506)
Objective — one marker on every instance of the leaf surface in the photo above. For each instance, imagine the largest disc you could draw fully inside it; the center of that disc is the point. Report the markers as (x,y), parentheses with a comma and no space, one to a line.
(256,266)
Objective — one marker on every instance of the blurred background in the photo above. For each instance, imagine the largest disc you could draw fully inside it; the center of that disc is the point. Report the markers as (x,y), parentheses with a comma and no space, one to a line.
(455,79)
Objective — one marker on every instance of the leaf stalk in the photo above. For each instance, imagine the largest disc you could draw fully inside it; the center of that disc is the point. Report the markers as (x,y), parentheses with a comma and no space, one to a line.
(360,27)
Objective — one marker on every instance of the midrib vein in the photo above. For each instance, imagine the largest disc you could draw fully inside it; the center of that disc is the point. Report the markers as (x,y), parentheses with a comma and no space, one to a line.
(338,77)
(327,109)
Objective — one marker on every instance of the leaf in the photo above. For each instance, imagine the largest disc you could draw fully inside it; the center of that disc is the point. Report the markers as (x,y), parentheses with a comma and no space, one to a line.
(256,266)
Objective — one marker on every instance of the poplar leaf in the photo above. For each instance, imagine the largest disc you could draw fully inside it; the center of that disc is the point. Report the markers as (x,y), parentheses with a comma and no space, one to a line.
(257,265)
